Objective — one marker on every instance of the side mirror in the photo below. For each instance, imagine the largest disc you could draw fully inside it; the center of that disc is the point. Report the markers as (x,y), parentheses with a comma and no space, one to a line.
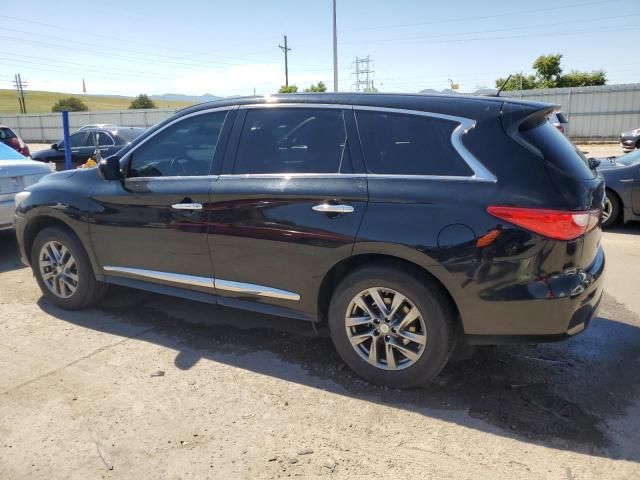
(54,146)
(109,168)
(593,163)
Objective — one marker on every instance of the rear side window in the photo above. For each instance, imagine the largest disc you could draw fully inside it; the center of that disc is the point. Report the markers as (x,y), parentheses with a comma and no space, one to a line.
(405,144)
(558,150)
(292,140)
(6,133)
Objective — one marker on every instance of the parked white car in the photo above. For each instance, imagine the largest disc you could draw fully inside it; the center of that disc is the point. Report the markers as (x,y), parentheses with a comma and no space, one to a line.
(16,173)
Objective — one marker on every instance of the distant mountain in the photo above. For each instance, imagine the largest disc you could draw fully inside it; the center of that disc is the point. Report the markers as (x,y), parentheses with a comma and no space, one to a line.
(178,97)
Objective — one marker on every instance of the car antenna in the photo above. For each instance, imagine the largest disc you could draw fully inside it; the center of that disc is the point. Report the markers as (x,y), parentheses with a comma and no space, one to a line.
(504,84)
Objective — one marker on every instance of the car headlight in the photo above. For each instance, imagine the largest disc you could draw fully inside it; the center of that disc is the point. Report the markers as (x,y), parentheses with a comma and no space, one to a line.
(21,197)
(28,180)
(635,132)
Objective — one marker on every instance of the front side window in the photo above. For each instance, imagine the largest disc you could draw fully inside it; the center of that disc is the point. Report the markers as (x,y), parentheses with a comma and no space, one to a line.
(407,144)
(185,148)
(292,140)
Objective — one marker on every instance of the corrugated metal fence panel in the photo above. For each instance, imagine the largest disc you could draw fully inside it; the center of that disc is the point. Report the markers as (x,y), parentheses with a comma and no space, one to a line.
(593,112)
(47,127)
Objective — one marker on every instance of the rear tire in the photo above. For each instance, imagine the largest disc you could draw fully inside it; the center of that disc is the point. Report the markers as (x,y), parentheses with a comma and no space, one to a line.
(610,210)
(408,343)
(63,270)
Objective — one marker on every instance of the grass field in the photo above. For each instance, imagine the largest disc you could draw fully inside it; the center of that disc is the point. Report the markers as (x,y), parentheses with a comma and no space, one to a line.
(41,102)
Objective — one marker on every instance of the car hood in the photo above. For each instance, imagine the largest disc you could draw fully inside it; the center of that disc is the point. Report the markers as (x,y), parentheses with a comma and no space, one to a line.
(19,168)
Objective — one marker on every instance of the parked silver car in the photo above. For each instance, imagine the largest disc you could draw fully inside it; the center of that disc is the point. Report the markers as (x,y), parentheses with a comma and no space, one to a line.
(16,173)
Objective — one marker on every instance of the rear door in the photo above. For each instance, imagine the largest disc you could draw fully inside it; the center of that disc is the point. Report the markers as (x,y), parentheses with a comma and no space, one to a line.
(288,205)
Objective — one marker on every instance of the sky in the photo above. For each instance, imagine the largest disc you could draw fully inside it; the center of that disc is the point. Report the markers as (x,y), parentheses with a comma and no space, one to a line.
(231,47)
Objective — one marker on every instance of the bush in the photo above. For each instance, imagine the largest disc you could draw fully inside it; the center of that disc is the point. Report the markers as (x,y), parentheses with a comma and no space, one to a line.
(71,104)
(142,101)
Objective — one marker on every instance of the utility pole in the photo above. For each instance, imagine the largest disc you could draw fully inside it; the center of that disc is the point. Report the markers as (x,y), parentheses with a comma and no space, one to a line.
(335,50)
(19,84)
(363,71)
(285,49)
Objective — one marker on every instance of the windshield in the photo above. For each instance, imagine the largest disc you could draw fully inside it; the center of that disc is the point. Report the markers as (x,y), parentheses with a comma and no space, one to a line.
(629,158)
(6,133)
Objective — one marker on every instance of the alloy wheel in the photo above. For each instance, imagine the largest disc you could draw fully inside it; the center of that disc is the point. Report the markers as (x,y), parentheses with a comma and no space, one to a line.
(58,269)
(385,328)
(607,209)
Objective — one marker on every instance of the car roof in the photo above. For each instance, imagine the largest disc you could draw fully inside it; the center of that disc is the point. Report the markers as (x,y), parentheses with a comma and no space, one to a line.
(435,103)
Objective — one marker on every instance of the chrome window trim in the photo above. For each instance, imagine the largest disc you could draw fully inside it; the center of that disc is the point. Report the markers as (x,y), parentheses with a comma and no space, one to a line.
(173,122)
(287,176)
(257,290)
(173,178)
(206,282)
(480,172)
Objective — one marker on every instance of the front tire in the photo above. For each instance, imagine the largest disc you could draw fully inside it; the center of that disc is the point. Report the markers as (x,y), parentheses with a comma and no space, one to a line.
(610,210)
(391,326)
(63,270)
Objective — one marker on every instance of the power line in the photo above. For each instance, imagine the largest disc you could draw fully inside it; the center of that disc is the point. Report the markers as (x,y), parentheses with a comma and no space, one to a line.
(286,51)
(481,17)
(518,28)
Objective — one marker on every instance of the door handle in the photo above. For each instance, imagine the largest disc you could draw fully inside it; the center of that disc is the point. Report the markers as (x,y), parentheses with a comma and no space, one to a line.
(187,206)
(330,208)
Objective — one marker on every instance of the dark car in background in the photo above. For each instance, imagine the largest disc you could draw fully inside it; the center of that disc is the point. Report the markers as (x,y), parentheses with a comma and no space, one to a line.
(10,138)
(559,120)
(622,178)
(630,139)
(404,221)
(82,142)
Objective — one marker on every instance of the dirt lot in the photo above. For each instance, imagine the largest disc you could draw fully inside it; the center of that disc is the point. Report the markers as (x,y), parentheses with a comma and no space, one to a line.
(147,386)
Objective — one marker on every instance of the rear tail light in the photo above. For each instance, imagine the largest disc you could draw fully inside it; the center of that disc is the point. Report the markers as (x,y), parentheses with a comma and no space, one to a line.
(556,224)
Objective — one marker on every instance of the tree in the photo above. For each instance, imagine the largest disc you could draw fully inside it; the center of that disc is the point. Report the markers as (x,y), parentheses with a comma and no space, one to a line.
(320,87)
(141,101)
(288,89)
(583,79)
(548,70)
(70,104)
(517,80)
(548,74)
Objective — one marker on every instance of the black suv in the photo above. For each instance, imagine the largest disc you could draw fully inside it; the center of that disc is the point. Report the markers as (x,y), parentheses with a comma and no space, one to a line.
(408,222)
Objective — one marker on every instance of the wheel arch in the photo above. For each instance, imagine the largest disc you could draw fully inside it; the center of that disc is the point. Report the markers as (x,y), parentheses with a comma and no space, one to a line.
(348,265)
(618,197)
(39,222)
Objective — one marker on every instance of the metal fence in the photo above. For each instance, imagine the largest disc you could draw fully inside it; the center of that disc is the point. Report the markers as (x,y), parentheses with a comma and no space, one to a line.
(594,113)
(47,127)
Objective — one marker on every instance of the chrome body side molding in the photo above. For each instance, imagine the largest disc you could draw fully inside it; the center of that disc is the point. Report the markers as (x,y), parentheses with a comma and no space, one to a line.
(213,284)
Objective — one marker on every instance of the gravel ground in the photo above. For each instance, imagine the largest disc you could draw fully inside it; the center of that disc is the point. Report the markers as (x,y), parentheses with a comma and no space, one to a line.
(148,386)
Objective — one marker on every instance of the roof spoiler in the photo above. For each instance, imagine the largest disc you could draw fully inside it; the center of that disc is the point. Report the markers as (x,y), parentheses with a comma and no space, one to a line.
(518,116)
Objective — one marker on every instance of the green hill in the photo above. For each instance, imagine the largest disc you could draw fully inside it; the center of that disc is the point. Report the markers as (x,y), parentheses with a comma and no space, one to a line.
(41,102)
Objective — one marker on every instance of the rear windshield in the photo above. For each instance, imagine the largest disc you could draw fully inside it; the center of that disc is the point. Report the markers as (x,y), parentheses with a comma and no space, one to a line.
(129,134)
(6,133)
(558,150)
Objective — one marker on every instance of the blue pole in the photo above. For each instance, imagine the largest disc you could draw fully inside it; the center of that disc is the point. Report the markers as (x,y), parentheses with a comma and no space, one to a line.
(67,146)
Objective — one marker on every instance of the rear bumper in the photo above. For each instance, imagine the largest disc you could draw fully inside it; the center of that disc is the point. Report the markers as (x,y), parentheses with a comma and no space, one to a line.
(548,309)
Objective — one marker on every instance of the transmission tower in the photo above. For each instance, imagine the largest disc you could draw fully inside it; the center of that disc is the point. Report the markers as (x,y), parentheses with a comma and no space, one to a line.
(363,72)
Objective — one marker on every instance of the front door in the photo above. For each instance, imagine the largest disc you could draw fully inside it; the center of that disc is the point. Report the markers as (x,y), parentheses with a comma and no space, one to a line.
(288,205)
(152,226)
